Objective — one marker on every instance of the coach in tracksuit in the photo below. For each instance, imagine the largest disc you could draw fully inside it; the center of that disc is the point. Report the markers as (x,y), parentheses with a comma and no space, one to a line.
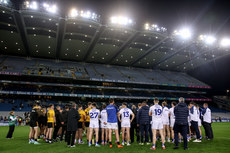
(181,113)
(143,122)
(206,113)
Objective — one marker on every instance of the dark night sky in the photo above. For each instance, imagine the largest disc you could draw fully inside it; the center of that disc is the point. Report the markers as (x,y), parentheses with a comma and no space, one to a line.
(203,16)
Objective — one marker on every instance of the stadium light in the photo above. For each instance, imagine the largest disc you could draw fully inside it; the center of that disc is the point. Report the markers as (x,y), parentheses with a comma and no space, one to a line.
(209,40)
(4,2)
(31,5)
(154,27)
(120,20)
(184,33)
(225,42)
(84,14)
(73,13)
(50,8)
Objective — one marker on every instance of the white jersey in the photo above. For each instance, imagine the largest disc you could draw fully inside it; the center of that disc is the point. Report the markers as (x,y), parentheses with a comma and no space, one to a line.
(125,114)
(165,113)
(93,114)
(156,111)
(194,114)
(171,112)
(207,116)
(103,116)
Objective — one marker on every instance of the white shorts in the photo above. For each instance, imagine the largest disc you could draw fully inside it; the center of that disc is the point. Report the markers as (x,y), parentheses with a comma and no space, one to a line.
(103,126)
(199,122)
(94,125)
(165,121)
(157,125)
(125,124)
(112,126)
(172,122)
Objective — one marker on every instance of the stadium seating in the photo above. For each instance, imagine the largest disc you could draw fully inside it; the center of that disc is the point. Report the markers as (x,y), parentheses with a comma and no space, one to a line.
(42,67)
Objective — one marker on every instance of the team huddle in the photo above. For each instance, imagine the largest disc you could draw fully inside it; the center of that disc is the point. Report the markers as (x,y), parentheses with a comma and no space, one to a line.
(154,122)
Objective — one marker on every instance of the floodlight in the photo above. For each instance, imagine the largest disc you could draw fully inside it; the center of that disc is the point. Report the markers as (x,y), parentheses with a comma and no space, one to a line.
(73,13)
(4,1)
(183,33)
(121,20)
(210,40)
(52,9)
(225,42)
(33,5)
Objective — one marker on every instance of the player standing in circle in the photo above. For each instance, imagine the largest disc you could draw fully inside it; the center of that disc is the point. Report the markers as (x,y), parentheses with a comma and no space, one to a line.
(33,136)
(172,119)
(104,130)
(87,119)
(94,114)
(125,114)
(165,119)
(51,120)
(80,124)
(112,113)
(156,112)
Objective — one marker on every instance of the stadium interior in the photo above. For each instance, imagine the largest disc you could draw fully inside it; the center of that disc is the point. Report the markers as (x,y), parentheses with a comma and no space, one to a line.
(57,58)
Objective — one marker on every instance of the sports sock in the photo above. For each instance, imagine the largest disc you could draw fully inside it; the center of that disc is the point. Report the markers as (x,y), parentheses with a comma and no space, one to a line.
(35,139)
(110,143)
(118,143)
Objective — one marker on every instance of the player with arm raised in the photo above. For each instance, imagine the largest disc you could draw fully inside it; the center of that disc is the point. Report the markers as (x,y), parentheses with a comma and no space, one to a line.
(94,114)
(156,112)
(124,117)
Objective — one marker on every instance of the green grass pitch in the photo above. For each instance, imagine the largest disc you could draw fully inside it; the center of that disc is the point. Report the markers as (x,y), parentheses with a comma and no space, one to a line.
(220,144)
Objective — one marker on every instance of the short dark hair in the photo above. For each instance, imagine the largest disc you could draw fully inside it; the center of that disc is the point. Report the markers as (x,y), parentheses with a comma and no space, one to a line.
(156,100)
(192,103)
(206,104)
(111,100)
(89,103)
(174,103)
(94,104)
(124,103)
(50,105)
(79,105)
(103,106)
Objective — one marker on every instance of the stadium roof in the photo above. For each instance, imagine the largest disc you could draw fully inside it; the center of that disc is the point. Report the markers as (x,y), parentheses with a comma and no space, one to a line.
(45,35)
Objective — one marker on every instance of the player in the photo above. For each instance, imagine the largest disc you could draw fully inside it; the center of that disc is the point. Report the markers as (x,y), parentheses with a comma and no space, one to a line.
(87,119)
(80,124)
(172,119)
(194,120)
(156,112)
(94,114)
(112,113)
(165,119)
(33,136)
(51,120)
(125,114)
(199,120)
(104,130)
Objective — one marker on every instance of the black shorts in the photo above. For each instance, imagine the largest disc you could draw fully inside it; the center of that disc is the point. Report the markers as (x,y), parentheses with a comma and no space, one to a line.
(86,124)
(80,124)
(50,125)
(33,124)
